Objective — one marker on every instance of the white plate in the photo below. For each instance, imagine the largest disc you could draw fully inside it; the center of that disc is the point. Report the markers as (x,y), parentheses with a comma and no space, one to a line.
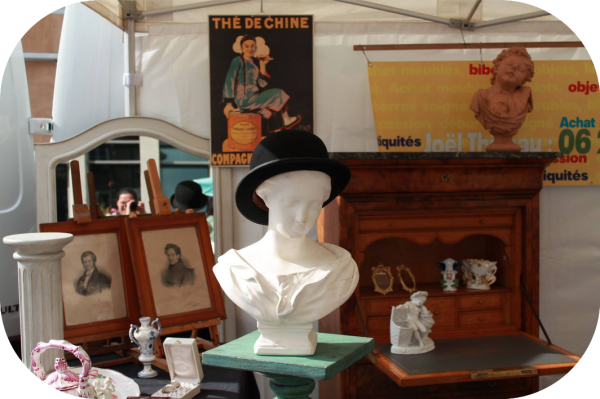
(124,386)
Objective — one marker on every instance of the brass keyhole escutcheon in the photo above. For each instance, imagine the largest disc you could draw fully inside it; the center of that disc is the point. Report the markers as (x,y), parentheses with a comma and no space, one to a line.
(480,302)
(445,177)
(437,313)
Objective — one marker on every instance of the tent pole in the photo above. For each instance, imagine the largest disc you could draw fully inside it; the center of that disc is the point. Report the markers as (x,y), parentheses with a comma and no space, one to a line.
(400,11)
(125,8)
(189,7)
(511,19)
(130,104)
(475,6)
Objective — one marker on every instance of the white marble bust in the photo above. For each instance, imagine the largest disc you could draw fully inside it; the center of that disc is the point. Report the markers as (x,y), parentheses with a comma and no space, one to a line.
(286,281)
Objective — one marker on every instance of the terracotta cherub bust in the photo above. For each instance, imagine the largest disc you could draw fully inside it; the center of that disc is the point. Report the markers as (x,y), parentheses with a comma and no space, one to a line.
(502,108)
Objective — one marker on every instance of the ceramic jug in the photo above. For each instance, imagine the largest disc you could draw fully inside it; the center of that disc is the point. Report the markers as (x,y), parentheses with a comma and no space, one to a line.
(63,379)
(144,337)
(479,274)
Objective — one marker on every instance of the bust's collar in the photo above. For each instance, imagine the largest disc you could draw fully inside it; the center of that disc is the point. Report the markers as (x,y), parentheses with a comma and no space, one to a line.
(233,258)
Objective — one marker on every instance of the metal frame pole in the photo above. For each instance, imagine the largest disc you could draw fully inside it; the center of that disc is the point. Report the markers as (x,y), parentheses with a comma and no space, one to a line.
(400,11)
(511,19)
(454,23)
(475,6)
(130,100)
(189,7)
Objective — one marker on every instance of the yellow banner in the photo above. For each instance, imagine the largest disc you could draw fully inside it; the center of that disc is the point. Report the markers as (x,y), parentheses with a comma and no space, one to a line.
(425,107)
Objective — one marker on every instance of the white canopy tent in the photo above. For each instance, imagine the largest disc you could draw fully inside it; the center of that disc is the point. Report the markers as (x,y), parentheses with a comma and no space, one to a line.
(170,52)
(149,12)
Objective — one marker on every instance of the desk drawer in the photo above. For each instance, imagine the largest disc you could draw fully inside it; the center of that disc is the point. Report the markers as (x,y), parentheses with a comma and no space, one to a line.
(488,176)
(480,318)
(382,307)
(433,222)
(443,309)
(481,302)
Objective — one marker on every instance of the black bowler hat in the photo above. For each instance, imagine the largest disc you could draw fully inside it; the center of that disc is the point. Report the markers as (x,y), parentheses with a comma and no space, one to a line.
(188,195)
(281,153)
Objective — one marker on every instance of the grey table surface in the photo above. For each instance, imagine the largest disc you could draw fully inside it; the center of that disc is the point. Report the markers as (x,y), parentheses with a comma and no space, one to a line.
(476,353)
(218,383)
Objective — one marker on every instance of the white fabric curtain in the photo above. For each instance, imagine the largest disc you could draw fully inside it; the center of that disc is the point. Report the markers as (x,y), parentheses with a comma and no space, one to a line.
(569,278)
(89,74)
(17,178)
(174,63)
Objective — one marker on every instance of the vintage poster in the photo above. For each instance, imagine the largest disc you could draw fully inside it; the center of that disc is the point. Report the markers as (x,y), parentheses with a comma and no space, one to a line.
(425,107)
(261,81)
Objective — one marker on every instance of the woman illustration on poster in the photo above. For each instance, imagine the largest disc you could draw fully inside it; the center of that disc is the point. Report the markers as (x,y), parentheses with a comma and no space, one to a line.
(246,81)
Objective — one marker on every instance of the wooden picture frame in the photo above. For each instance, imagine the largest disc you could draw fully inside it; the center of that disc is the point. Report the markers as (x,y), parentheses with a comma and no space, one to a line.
(104,243)
(182,292)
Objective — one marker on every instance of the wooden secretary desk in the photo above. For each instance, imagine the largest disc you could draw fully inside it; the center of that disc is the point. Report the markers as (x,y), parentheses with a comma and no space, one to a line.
(416,209)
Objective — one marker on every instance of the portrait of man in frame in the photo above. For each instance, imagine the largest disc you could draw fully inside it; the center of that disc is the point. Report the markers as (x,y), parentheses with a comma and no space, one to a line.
(92,281)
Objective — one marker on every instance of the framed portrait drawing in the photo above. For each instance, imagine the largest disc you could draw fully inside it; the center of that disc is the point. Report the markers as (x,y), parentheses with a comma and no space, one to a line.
(173,261)
(98,286)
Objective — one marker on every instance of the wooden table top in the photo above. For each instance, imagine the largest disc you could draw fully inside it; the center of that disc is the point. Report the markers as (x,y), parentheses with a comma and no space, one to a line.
(334,354)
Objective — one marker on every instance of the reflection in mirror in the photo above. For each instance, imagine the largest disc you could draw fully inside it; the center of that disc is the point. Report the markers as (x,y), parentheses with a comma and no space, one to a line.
(62,188)
(115,165)
(120,164)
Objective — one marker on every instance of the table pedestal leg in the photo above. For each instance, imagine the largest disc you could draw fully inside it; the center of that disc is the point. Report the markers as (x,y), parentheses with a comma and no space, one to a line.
(286,387)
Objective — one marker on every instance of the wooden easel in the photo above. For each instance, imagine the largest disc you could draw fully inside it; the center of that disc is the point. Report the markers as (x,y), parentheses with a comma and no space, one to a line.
(81,212)
(95,210)
(160,206)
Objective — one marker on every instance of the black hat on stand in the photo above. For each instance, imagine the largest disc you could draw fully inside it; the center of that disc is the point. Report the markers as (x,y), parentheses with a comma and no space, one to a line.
(188,195)
(281,153)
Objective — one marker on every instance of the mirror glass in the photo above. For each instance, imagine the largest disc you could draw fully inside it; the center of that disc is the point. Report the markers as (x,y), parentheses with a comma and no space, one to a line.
(382,279)
(120,163)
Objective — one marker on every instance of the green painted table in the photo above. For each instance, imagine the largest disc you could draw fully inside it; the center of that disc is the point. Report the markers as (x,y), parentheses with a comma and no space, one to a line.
(292,376)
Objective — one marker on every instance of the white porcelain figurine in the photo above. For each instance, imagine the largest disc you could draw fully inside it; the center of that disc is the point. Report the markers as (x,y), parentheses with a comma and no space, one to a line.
(449,271)
(144,337)
(410,326)
(105,391)
(286,281)
(479,274)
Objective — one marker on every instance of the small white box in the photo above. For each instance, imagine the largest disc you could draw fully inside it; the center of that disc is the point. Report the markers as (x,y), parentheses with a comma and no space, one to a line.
(185,368)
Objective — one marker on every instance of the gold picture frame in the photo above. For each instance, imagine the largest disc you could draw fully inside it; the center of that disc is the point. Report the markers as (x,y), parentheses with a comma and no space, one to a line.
(402,268)
(378,275)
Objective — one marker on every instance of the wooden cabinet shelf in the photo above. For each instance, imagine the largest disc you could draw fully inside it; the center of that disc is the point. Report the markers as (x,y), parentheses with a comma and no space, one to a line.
(419,209)
(434,290)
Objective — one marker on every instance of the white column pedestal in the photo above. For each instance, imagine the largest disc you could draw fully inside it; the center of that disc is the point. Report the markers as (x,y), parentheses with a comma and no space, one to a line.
(40,291)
